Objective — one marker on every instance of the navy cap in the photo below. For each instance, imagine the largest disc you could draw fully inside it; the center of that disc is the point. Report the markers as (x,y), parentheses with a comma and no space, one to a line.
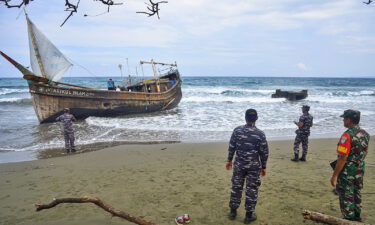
(251,115)
(306,107)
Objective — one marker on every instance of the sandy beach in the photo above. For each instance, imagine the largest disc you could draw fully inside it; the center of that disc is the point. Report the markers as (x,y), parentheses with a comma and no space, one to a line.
(160,181)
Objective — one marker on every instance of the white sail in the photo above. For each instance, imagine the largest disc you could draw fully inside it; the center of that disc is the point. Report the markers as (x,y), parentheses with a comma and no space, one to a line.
(46,60)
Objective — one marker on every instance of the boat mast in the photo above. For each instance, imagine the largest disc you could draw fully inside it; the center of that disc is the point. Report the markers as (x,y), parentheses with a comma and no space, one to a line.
(35,46)
(153,63)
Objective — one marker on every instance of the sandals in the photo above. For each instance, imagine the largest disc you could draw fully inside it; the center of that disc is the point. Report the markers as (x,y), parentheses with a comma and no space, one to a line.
(179,220)
(184,219)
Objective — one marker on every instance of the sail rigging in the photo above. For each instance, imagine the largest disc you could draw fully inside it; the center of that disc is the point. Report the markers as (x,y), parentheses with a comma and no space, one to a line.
(46,60)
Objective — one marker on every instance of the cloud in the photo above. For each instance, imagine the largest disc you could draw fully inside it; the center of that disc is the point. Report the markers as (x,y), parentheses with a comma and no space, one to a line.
(302,66)
(359,44)
(339,27)
(203,32)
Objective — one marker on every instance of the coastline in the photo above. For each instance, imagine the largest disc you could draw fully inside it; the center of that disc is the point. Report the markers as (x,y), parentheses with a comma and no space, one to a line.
(160,181)
(24,156)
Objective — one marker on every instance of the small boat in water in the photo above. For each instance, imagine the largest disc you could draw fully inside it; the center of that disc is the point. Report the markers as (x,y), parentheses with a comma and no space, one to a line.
(290,95)
(50,97)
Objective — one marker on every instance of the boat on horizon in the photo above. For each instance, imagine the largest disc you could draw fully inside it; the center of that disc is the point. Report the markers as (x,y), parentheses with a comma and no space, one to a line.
(50,96)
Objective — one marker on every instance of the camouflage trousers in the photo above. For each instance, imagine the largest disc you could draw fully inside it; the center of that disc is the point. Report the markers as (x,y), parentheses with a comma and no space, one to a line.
(69,140)
(350,197)
(252,185)
(304,138)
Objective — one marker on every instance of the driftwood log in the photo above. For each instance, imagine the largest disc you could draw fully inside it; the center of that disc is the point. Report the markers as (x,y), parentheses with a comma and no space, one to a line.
(97,202)
(327,219)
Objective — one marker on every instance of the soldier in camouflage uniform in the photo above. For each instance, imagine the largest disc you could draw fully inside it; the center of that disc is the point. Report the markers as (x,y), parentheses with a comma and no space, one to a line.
(67,125)
(303,132)
(251,149)
(350,167)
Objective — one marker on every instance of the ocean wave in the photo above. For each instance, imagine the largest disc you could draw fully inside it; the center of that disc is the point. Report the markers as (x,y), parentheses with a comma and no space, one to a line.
(233,93)
(7,91)
(351,93)
(246,92)
(327,100)
(15,101)
(7,150)
(231,99)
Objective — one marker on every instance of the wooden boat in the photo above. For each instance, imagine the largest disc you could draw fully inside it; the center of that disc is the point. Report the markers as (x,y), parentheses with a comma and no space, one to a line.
(50,97)
(290,95)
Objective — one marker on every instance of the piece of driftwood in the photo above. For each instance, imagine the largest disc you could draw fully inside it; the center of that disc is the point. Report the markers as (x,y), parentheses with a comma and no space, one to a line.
(327,219)
(97,202)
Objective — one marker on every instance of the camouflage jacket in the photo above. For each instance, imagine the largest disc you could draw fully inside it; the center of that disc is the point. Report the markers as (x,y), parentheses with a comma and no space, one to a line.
(66,122)
(250,146)
(354,144)
(307,121)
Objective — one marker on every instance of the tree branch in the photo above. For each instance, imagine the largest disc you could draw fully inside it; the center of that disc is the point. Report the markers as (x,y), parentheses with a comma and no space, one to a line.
(24,2)
(70,7)
(109,3)
(327,219)
(369,2)
(153,8)
(98,202)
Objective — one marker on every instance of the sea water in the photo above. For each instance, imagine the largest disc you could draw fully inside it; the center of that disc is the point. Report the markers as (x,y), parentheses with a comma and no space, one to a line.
(211,107)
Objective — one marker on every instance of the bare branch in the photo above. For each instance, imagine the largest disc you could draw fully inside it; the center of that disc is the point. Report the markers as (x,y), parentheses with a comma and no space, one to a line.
(24,2)
(153,8)
(109,3)
(369,2)
(97,202)
(327,219)
(70,8)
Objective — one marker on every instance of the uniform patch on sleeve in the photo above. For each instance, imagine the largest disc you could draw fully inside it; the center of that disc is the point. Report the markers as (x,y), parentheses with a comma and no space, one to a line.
(344,145)
(343,140)
(342,150)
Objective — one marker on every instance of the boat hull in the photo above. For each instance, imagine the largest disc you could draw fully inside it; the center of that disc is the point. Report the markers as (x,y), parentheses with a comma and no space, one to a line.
(49,101)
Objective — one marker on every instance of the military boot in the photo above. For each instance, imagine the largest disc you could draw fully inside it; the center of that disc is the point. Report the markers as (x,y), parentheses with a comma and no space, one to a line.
(358,217)
(67,150)
(295,159)
(250,217)
(232,214)
(303,158)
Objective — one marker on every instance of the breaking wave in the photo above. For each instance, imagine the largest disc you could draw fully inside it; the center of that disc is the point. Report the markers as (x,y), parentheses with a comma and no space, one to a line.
(250,99)
(15,101)
(7,91)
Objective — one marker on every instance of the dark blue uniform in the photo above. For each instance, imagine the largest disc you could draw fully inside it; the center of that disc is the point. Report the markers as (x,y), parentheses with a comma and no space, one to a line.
(303,133)
(111,85)
(67,125)
(251,149)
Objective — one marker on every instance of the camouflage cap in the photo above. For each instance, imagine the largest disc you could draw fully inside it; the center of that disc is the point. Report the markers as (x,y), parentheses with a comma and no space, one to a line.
(350,113)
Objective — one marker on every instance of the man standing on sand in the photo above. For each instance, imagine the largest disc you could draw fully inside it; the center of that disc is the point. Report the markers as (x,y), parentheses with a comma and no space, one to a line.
(303,133)
(67,125)
(251,149)
(350,167)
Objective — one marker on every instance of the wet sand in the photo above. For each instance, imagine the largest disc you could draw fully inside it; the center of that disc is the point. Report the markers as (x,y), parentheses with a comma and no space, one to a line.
(161,181)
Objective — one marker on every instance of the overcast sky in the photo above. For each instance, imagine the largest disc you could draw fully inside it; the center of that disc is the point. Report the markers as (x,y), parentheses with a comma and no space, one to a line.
(320,38)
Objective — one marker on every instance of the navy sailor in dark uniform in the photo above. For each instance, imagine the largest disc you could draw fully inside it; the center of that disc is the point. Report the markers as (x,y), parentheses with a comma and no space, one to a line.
(304,124)
(67,126)
(250,146)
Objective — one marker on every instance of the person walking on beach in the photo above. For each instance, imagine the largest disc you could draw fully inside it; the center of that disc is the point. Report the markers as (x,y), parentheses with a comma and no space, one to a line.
(251,149)
(111,84)
(349,170)
(302,134)
(67,125)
